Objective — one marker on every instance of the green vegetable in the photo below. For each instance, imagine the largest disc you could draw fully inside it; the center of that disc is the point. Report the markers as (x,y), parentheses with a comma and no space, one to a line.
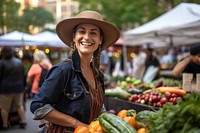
(114,124)
(182,118)
(134,91)
(117,93)
(142,118)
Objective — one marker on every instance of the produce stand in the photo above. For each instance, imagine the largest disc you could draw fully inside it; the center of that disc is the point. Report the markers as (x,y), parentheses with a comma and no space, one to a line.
(120,104)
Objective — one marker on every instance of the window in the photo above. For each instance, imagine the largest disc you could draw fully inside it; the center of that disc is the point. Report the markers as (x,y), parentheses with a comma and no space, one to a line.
(49,1)
(72,8)
(64,8)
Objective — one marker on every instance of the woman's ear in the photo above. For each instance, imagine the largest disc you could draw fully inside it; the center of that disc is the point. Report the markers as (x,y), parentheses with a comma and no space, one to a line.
(101,40)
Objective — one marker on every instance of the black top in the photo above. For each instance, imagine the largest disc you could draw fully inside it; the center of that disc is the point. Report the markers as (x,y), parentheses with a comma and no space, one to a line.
(192,68)
(11,76)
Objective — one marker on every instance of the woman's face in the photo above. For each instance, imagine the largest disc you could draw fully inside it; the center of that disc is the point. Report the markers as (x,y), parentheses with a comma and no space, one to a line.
(87,38)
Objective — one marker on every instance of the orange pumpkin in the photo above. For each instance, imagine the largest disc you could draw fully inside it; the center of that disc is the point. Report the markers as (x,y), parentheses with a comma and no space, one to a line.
(81,129)
(95,127)
(128,116)
(131,121)
(142,130)
(122,113)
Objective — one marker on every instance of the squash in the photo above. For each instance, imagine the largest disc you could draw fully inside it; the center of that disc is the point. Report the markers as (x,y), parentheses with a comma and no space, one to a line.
(142,130)
(142,118)
(130,120)
(175,90)
(122,113)
(95,127)
(114,124)
(117,92)
(128,116)
(81,129)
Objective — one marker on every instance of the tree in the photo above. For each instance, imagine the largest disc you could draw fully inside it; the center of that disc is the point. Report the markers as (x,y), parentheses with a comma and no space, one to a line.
(9,15)
(10,19)
(128,14)
(36,17)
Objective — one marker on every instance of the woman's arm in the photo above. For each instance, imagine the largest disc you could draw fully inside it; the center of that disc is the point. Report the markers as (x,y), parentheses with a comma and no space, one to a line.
(179,68)
(62,119)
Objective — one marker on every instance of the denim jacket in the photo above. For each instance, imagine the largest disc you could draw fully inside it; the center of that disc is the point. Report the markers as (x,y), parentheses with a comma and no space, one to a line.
(62,90)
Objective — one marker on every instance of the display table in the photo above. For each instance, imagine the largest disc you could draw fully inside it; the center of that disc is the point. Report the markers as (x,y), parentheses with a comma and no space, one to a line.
(120,104)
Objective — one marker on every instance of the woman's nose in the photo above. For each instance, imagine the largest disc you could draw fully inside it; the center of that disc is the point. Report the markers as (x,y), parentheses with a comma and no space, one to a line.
(87,35)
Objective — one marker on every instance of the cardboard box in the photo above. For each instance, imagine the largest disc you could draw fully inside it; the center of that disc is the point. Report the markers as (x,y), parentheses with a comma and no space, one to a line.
(191,83)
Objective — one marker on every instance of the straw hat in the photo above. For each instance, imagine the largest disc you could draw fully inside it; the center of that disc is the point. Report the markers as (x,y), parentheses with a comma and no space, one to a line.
(65,28)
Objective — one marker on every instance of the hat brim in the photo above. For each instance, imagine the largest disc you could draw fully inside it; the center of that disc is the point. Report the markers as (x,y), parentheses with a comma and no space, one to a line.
(65,28)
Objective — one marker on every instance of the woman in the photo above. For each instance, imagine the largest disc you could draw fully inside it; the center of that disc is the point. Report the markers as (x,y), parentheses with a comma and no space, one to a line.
(33,77)
(73,92)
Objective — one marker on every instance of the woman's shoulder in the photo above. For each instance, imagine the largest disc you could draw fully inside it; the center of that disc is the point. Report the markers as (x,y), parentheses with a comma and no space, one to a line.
(63,65)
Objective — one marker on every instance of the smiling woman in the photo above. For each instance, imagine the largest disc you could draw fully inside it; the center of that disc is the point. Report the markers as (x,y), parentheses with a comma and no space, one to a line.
(73,93)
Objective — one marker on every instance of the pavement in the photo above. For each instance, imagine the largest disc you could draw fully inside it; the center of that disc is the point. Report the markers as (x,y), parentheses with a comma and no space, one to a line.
(32,125)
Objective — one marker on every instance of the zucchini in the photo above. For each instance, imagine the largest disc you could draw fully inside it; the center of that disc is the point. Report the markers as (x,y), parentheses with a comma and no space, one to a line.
(134,91)
(117,93)
(115,123)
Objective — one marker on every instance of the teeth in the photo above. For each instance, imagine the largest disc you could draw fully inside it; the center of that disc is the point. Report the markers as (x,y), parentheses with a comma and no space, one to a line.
(85,43)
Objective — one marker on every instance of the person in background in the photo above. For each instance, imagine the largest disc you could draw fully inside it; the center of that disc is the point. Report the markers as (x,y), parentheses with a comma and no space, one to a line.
(152,66)
(104,60)
(190,64)
(139,63)
(12,86)
(73,92)
(105,64)
(33,76)
(27,61)
(120,69)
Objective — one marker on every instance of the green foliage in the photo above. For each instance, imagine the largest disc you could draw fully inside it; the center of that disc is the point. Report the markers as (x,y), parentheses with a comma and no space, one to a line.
(11,18)
(9,14)
(183,118)
(128,14)
(37,17)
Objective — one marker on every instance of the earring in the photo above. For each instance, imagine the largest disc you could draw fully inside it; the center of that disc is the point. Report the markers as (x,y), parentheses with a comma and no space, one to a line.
(72,45)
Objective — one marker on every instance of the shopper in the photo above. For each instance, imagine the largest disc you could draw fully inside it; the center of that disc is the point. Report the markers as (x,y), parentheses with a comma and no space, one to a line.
(122,69)
(139,62)
(190,64)
(12,86)
(152,66)
(34,73)
(73,92)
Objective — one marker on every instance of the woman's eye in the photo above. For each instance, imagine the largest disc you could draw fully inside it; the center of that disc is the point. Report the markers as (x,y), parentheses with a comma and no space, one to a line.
(93,33)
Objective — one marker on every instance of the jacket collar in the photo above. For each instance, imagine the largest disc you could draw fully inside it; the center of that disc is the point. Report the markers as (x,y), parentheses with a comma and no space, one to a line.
(76,65)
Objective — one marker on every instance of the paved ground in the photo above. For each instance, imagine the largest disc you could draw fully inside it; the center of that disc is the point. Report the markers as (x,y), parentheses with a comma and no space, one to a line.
(32,125)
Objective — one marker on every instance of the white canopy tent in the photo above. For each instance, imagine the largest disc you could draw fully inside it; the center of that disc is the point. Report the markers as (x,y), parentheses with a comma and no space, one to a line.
(179,26)
(17,38)
(45,39)
(50,39)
